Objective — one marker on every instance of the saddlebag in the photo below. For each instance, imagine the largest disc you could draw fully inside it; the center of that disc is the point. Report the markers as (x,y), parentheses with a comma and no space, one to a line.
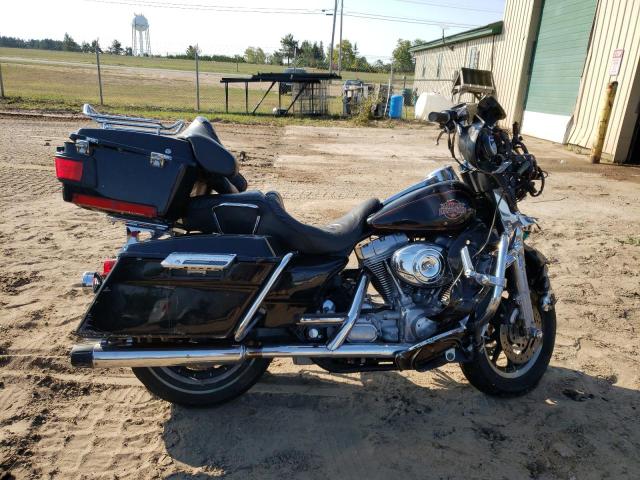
(192,286)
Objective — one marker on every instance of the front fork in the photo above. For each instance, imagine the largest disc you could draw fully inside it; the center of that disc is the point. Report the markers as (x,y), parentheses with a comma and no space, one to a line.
(522,283)
(509,253)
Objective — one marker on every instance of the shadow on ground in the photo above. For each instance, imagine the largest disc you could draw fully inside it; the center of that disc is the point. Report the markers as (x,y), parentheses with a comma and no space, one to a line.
(383,425)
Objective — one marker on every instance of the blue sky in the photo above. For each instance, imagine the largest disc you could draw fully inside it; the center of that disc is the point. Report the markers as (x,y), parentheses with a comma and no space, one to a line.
(174,24)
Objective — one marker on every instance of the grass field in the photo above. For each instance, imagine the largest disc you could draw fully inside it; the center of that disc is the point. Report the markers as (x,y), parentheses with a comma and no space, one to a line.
(15,55)
(63,81)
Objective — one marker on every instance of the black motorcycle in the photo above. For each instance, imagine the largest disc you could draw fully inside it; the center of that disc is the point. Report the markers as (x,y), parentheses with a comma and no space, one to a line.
(215,281)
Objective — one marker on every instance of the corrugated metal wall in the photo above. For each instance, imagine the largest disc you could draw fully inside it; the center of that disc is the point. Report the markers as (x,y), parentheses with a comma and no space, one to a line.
(451,59)
(617,25)
(512,55)
(506,55)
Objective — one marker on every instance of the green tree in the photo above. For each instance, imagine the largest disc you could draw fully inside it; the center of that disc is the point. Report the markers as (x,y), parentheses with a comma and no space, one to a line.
(289,46)
(380,66)
(255,55)
(275,58)
(115,48)
(128,51)
(349,57)
(85,47)
(191,51)
(69,44)
(95,47)
(402,58)
(362,65)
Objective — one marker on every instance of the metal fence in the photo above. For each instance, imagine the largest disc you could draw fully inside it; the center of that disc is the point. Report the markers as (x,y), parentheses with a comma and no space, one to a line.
(186,87)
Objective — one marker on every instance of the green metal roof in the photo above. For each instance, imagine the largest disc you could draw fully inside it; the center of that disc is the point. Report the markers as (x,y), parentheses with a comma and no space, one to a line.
(491,29)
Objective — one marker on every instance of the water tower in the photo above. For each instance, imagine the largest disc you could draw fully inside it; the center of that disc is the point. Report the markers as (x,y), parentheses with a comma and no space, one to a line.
(141,45)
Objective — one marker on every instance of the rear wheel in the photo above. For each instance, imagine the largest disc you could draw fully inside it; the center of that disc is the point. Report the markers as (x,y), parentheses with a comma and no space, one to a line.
(201,386)
(510,362)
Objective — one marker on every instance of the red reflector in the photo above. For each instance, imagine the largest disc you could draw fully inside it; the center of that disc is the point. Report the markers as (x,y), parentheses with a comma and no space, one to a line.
(114,205)
(107,266)
(68,169)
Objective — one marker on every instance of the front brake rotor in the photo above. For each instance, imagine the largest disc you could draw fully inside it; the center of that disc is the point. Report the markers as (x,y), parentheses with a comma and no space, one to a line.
(516,344)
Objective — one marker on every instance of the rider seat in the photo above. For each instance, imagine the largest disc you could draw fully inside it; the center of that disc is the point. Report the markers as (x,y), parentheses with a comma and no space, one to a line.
(264,214)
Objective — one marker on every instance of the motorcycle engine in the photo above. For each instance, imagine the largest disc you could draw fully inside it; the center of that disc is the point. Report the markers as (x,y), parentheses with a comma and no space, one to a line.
(413,277)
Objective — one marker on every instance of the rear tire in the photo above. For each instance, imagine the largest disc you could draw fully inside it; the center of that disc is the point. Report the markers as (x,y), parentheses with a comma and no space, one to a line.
(487,377)
(202,387)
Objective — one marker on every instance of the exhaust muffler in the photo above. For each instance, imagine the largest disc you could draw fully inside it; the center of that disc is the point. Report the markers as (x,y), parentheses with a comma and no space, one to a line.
(96,356)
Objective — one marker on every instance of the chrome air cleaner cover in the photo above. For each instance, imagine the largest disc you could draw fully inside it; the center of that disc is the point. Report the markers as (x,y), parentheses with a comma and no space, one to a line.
(419,264)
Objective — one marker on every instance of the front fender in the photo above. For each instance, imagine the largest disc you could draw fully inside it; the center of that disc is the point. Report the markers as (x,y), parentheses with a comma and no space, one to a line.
(538,277)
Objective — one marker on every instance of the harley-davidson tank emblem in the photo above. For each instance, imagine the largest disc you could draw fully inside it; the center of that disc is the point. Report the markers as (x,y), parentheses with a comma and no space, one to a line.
(453,209)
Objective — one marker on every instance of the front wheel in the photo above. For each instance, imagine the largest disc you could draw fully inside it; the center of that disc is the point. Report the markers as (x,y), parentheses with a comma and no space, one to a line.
(509,362)
(202,386)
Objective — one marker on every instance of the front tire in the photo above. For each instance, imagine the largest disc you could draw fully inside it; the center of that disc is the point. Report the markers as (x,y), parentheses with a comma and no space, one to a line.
(202,386)
(492,372)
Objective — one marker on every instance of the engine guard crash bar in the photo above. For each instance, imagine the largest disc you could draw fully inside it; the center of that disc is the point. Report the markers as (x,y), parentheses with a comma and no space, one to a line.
(497,280)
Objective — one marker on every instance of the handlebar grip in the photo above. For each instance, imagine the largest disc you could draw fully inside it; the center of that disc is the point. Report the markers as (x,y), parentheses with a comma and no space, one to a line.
(439,117)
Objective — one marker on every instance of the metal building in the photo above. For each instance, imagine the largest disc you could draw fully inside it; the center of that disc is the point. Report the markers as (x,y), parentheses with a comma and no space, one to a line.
(552,61)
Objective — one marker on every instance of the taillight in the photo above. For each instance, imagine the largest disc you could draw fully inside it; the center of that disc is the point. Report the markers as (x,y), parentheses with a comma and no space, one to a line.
(118,206)
(107,266)
(68,169)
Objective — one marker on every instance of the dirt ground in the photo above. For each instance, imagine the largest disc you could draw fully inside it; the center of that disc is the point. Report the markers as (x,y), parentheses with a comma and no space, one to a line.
(582,422)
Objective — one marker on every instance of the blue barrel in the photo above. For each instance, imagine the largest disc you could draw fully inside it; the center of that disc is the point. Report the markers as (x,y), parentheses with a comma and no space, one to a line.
(395,106)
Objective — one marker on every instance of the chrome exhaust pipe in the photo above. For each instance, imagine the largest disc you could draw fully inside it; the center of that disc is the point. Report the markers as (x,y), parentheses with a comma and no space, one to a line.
(95,356)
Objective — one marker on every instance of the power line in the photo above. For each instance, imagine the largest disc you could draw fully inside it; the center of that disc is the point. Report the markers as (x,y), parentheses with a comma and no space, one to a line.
(444,5)
(272,10)
(215,8)
(418,21)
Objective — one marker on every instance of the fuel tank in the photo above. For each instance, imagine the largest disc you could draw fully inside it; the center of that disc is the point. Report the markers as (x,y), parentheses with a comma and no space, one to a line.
(447,205)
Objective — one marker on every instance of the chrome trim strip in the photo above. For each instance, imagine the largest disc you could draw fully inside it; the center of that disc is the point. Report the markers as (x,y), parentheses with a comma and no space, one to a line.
(198,261)
(352,316)
(232,204)
(247,320)
(321,320)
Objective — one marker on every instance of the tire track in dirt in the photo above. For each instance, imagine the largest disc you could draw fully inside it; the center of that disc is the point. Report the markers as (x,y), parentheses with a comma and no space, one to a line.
(60,422)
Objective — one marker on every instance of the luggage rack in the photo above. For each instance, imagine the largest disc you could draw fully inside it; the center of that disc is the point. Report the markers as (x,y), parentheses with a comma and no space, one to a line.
(121,122)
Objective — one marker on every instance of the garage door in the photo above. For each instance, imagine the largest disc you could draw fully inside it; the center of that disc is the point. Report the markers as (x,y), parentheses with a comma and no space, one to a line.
(558,61)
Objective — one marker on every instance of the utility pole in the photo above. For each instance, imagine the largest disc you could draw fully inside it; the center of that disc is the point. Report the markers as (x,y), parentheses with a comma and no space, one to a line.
(333,35)
(197,82)
(340,45)
(99,75)
(1,84)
